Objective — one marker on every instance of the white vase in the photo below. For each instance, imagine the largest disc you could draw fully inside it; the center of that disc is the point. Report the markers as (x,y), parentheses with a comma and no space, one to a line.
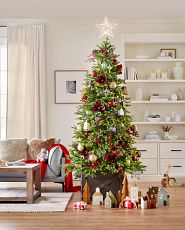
(166,135)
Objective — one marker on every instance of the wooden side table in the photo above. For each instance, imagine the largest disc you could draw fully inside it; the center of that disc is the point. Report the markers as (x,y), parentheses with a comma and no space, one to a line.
(33,183)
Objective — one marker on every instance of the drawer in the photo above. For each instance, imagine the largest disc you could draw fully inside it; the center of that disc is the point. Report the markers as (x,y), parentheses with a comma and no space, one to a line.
(173,162)
(147,150)
(172,150)
(151,166)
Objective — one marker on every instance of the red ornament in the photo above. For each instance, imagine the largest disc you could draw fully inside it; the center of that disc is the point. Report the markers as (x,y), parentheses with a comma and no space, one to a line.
(120,168)
(111,103)
(84,98)
(94,73)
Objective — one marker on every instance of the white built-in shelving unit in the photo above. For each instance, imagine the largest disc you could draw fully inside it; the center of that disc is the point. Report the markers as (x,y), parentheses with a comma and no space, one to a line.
(150,45)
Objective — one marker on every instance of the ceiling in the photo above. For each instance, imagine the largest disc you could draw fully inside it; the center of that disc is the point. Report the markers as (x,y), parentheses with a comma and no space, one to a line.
(118,9)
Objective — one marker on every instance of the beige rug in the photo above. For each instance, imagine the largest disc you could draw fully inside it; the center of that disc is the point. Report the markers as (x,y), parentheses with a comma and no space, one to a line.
(48,202)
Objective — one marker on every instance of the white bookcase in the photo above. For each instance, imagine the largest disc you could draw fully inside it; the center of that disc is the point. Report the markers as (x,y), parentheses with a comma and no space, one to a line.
(156,154)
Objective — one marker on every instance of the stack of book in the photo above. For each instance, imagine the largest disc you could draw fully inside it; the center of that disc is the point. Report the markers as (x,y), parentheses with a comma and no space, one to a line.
(158,97)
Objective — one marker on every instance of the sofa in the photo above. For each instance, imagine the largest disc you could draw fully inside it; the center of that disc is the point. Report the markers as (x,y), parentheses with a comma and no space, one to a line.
(16,149)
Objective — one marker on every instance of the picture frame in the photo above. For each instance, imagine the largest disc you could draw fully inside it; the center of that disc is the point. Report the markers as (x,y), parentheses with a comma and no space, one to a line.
(168,53)
(68,86)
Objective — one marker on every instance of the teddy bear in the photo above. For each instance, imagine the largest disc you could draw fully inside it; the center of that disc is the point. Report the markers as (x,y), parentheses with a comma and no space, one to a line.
(43,155)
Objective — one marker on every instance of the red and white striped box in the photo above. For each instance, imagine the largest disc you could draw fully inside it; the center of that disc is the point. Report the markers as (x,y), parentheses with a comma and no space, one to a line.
(80,205)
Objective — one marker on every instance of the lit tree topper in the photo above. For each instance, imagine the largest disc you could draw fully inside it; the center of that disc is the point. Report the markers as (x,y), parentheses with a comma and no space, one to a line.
(106,28)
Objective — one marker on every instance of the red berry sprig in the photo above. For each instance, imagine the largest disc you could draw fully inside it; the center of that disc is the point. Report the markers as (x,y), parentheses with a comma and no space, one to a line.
(166,128)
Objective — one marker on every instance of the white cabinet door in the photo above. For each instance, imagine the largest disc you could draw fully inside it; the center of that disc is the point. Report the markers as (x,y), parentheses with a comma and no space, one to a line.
(172,150)
(151,166)
(147,150)
(173,162)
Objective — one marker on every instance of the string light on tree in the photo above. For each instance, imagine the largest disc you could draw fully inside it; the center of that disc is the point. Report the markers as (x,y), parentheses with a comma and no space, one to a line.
(106,28)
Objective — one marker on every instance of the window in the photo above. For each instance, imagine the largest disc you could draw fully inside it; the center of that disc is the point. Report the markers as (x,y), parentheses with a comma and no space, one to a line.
(3,81)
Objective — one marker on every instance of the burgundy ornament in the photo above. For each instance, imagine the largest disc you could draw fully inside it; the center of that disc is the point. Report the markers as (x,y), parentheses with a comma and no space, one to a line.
(111,157)
(98,140)
(119,67)
(98,107)
(134,158)
(85,154)
(94,165)
(102,79)
(87,133)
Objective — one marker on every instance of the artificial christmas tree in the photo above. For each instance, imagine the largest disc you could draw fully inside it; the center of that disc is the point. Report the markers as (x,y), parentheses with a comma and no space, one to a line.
(103,137)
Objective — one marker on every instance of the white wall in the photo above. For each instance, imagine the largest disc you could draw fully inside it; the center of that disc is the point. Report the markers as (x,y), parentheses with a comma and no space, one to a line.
(68,43)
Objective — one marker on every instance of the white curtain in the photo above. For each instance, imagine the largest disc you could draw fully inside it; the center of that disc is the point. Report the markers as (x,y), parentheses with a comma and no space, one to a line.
(26,81)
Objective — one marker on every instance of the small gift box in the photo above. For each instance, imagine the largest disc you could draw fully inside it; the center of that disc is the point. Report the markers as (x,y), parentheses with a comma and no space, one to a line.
(80,205)
(128,203)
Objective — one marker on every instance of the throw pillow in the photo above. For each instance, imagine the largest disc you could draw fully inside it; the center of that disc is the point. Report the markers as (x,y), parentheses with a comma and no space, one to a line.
(54,160)
(36,145)
(13,149)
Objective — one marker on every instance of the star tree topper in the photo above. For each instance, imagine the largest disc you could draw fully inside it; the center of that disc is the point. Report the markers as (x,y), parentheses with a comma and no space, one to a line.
(106,28)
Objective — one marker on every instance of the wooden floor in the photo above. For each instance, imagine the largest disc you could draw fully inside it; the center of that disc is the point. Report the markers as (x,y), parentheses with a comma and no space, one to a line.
(95,218)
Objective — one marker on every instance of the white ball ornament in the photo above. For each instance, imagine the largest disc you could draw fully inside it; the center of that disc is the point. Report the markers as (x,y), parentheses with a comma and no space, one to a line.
(80,147)
(92,157)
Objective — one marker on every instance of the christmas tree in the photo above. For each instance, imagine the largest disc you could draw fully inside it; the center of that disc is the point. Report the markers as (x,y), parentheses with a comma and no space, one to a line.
(103,137)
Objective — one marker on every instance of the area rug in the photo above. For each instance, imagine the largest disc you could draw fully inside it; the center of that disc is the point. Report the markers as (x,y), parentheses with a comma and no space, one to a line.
(48,202)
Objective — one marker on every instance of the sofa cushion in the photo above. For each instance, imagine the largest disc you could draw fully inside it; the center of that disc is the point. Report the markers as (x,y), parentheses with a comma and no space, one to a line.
(13,149)
(36,145)
(54,160)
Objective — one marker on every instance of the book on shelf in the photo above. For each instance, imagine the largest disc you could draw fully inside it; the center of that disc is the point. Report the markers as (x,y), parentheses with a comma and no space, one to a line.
(130,73)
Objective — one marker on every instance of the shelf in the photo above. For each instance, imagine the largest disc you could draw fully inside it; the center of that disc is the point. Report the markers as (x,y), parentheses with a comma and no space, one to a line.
(158,102)
(159,141)
(154,60)
(158,123)
(155,81)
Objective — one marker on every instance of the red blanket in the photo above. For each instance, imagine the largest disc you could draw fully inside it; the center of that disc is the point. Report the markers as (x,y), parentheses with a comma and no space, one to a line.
(43,166)
(68,178)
